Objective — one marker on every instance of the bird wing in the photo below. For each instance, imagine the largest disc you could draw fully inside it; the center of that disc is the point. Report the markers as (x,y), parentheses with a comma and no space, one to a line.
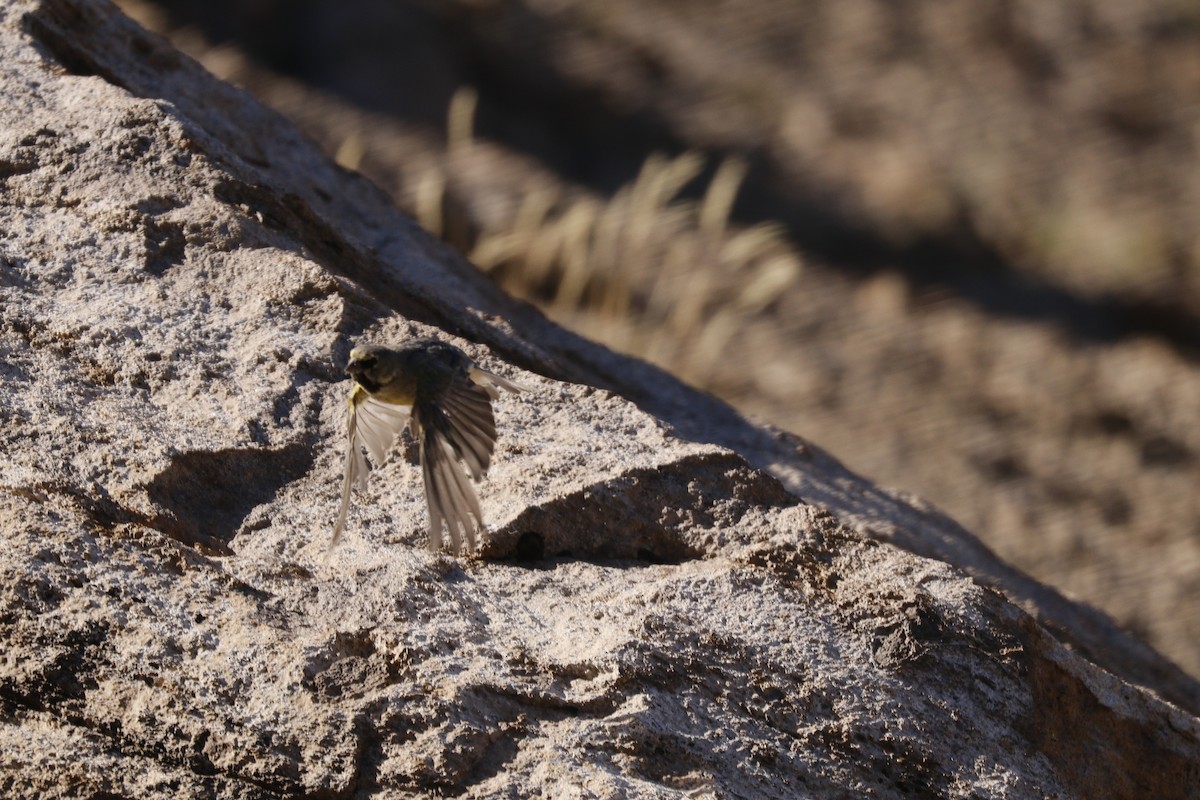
(457,435)
(377,425)
(374,425)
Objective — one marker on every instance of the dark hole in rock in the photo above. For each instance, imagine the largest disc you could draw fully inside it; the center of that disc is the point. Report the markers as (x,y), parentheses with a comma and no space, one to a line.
(531,546)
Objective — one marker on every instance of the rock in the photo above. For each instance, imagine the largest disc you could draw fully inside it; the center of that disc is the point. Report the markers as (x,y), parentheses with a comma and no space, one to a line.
(672,601)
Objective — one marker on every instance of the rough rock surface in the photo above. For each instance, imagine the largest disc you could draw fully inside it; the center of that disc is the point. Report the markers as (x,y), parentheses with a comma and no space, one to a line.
(673,601)
(1051,412)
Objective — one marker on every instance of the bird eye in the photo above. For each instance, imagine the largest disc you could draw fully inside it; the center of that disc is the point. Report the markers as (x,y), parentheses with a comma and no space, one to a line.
(361,364)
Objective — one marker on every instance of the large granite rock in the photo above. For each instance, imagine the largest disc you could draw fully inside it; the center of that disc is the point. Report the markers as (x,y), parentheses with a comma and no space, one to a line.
(673,601)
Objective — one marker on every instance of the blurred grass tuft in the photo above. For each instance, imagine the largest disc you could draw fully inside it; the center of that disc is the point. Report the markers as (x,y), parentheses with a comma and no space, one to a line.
(646,271)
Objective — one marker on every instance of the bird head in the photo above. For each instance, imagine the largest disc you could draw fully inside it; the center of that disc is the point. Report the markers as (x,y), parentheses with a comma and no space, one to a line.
(361,360)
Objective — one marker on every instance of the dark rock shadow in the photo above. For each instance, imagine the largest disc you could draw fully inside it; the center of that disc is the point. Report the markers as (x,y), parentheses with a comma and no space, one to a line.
(654,515)
(205,494)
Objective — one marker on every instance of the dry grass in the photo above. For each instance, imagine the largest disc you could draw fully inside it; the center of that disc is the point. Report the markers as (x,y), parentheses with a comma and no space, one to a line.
(585,259)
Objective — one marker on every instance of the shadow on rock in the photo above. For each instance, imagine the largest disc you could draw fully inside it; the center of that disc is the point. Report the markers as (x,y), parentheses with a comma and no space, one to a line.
(205,495)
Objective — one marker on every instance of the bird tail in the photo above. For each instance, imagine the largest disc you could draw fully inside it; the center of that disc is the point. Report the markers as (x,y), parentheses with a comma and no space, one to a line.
(493,382)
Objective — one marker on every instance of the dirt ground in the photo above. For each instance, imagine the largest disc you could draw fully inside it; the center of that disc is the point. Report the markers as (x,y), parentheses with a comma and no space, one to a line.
(963,255)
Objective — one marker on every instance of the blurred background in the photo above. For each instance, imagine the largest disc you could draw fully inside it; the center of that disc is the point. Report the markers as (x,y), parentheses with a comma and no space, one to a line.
(954,244)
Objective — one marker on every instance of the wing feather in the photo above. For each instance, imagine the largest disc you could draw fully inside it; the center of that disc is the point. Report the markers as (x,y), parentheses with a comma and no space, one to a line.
(452,445)
(471,428)
(378,425)
(373,425)
(433,498)
(464,500)
(457,489)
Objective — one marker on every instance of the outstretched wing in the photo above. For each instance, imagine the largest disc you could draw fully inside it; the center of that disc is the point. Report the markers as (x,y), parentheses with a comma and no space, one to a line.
(373,425)
(457,435)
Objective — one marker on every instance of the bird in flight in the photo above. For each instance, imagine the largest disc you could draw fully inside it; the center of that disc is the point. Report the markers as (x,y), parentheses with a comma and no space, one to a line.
(446,400)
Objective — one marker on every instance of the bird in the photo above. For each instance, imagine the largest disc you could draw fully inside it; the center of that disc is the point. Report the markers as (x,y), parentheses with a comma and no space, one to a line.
(445,399)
